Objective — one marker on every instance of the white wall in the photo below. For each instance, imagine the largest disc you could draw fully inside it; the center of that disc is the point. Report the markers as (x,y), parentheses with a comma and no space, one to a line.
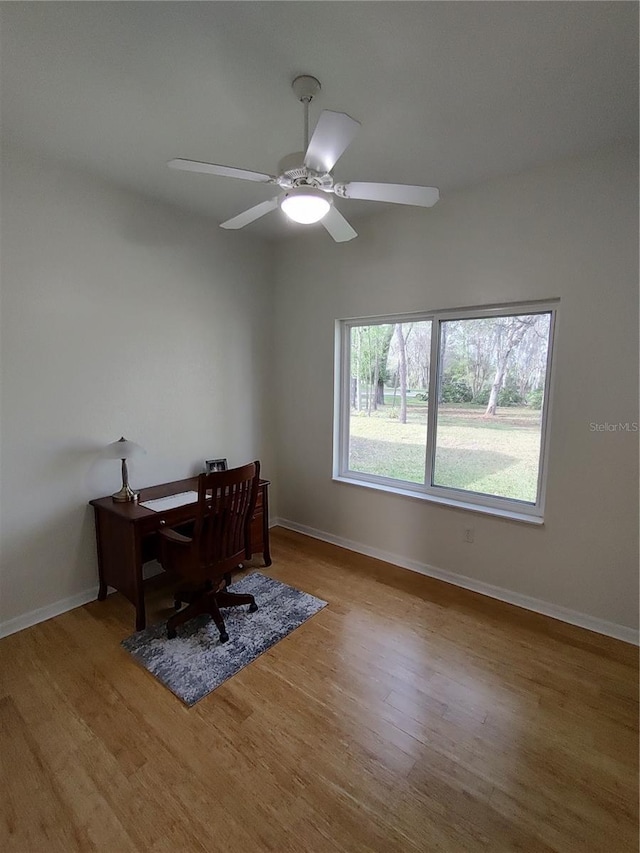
(119,316)
(568,230)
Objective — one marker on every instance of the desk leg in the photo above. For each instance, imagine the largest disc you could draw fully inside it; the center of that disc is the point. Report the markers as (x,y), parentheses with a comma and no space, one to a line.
(141,618)
(120,561)
(266,553)
(102,584)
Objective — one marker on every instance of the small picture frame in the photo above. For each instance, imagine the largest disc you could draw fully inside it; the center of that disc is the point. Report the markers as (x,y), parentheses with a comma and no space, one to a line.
(212,465)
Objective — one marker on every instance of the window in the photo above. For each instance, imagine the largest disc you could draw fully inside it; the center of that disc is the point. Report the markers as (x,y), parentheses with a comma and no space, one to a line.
(451,406)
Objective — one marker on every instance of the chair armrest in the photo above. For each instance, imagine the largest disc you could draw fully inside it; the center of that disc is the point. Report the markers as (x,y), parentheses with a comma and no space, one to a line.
(173,536)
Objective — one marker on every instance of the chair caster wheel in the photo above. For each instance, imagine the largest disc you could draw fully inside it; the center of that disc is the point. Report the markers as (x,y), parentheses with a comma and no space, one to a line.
(224,637)
(171,633)
(253,607)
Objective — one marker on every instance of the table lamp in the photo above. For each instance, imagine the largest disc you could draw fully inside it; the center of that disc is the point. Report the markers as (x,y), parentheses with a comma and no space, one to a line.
(123,449)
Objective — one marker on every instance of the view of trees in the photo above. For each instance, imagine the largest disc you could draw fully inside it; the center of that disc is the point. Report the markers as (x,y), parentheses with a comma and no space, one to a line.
(487,438)
(490,362)
(369,374)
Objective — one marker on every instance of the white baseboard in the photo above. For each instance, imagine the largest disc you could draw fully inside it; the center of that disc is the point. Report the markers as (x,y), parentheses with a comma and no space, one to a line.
(11,626)
(555,611)
(573,617)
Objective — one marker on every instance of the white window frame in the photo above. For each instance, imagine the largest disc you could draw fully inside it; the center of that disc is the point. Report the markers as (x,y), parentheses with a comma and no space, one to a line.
(515,510)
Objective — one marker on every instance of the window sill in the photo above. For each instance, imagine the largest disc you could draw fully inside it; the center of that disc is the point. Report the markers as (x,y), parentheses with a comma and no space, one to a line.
(497,512)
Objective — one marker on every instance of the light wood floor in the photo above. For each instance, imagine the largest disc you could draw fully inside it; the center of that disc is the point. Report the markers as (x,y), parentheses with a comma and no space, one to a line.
(406,716)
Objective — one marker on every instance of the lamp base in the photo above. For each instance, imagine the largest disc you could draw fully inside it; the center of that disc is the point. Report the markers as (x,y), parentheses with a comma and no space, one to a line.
(125,494)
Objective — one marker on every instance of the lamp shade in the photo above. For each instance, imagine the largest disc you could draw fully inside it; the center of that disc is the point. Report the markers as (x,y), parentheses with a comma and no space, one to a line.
(305,205)
(123,449)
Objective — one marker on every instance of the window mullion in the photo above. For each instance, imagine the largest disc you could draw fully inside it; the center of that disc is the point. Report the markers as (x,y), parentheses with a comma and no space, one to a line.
(432,408)
(545,414)
(346,396)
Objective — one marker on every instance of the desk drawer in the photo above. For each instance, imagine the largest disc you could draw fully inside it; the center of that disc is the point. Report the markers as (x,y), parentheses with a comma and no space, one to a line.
(170,518)
(256,534)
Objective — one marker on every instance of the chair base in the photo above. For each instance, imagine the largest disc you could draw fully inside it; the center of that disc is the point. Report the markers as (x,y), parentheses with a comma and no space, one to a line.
(207,601)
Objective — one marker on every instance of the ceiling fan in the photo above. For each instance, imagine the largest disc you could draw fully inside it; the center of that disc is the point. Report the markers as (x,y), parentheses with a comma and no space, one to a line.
(305,177)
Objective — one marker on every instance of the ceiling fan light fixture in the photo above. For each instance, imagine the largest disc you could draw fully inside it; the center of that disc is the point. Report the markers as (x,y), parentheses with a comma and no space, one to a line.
(305,205)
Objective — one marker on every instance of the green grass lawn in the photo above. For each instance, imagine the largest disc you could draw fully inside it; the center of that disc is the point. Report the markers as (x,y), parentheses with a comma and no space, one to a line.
(496,456)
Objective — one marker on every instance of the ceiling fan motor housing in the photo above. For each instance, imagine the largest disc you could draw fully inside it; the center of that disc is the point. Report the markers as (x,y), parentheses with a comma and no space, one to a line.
(293,165)
(293,173)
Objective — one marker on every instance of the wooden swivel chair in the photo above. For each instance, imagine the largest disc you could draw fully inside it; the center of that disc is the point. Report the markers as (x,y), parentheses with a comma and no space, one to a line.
(220,542)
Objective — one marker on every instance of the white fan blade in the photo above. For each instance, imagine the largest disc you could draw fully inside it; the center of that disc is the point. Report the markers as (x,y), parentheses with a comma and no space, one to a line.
(251,215)
(337,226)
(396,193)
(333,134)
(224,171)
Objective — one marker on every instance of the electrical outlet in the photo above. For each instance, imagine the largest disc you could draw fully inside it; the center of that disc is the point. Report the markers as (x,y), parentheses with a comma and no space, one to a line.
(468,534)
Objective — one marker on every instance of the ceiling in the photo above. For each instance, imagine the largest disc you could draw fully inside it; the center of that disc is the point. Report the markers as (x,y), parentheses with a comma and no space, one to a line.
(448,93)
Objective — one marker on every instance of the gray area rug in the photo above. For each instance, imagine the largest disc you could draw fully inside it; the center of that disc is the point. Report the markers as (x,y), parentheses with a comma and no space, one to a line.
(196,662)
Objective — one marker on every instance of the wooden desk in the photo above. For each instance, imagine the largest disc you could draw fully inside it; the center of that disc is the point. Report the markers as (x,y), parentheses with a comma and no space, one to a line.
(126,537)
